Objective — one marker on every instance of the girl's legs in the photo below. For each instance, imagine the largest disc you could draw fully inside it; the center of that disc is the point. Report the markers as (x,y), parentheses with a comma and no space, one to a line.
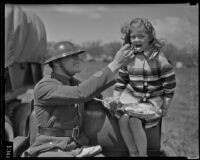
(127,135)
(139,135)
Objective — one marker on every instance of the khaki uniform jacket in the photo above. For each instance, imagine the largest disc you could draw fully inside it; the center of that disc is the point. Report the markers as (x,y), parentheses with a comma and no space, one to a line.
(58,101)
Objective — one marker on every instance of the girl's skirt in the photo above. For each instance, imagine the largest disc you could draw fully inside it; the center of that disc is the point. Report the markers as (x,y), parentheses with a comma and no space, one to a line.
(127,98)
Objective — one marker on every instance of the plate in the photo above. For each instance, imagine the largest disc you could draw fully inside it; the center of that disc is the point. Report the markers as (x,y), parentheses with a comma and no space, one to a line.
(140,110)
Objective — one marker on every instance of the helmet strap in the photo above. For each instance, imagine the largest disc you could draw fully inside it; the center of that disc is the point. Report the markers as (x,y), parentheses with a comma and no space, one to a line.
(63,68)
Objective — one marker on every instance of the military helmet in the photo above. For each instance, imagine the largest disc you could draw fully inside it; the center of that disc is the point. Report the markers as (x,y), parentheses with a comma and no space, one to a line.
(62,49)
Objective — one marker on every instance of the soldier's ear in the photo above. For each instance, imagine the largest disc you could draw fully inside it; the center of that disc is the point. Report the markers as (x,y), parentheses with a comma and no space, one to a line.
(51,64)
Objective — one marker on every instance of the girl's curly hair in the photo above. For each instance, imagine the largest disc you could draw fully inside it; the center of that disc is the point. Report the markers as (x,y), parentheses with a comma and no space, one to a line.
(149,29)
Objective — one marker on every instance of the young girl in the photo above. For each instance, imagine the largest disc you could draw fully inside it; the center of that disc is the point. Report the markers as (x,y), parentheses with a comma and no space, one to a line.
(149,79)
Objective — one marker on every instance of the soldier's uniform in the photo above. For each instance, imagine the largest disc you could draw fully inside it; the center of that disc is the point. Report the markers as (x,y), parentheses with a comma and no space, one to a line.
(59,106)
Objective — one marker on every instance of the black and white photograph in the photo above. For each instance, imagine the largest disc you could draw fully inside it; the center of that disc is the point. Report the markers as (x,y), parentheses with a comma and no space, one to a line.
(101,80)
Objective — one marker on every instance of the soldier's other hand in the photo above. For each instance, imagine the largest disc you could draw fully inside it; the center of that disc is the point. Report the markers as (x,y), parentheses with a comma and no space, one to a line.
(122,57)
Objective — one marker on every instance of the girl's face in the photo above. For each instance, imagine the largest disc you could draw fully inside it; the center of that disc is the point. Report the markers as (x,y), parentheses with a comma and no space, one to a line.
(140,40)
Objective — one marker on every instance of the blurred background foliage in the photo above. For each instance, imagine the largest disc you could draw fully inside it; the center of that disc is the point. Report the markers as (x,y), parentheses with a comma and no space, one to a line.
(97,51)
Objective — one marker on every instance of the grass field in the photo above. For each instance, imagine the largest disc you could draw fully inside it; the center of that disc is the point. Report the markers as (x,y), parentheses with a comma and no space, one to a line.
(180,127)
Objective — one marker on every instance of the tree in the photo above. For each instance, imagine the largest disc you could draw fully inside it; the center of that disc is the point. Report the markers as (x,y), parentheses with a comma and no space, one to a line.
(171,52)
(111,48)
(189,55)
(93,48)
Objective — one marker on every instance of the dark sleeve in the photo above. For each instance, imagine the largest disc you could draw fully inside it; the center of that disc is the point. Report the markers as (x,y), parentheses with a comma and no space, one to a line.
(52,93)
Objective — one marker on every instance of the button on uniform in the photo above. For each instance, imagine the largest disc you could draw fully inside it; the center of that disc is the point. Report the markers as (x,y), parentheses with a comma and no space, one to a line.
(145,84)
(147,95)
(144,99)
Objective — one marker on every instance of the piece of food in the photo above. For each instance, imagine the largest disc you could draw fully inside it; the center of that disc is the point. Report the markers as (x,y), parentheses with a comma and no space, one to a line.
(110,103)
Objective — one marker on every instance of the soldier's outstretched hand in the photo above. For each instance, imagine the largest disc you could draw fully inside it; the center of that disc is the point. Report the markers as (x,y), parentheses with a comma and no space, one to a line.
(122,57)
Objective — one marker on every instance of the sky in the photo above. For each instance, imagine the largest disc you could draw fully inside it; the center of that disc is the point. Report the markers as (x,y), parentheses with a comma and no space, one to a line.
(177,23)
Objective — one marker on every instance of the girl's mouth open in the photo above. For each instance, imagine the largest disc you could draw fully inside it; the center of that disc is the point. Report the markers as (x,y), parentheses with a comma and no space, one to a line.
(137,47)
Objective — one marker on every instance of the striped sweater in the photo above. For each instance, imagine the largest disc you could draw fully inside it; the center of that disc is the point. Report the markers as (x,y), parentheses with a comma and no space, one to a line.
(147,77)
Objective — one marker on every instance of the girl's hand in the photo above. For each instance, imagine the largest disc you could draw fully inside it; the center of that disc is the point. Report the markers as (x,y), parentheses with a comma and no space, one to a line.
(113,102)
(164,110)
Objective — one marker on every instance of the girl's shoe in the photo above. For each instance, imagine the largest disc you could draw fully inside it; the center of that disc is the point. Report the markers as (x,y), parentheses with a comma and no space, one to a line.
(134,154)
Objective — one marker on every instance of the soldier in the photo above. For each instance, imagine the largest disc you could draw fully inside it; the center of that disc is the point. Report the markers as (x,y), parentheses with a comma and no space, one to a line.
(59,101)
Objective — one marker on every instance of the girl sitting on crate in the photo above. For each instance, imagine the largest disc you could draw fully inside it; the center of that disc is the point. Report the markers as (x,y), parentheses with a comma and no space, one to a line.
(148,79)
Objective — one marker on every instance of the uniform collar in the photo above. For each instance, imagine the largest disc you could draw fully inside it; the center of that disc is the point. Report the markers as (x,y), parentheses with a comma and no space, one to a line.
(64,79)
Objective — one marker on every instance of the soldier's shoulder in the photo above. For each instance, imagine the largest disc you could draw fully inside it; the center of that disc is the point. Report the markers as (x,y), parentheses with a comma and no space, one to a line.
(45,81)
(44,86)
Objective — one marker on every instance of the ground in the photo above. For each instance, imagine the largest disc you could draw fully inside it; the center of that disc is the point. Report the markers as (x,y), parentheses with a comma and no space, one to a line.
(180,127)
